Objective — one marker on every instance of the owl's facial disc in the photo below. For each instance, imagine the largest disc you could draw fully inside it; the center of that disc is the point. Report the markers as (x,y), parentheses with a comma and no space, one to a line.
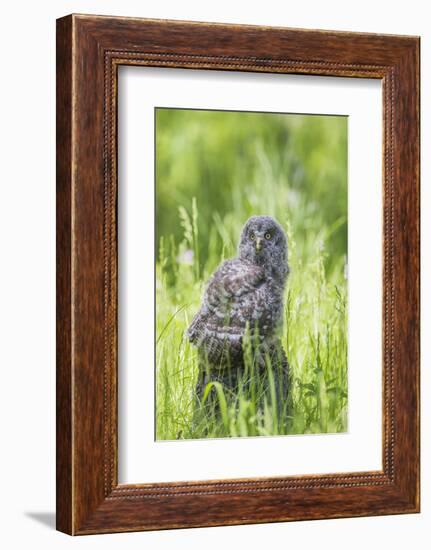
(263,242)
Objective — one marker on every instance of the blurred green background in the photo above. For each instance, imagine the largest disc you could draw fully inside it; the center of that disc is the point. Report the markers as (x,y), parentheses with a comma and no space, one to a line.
(239,164)
(215,169)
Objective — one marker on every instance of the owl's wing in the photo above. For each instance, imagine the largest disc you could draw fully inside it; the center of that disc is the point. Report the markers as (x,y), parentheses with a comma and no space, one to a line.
(233,279)
(211,328)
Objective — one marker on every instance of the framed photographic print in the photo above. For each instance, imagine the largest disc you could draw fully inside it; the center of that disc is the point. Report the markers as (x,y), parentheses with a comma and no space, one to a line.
(237,274)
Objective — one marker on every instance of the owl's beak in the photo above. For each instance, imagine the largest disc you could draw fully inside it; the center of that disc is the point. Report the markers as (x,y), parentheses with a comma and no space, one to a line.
(258,244)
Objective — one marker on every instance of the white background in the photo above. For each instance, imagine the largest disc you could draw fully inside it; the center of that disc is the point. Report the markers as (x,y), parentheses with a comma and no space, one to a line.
(27,406)
(360,449)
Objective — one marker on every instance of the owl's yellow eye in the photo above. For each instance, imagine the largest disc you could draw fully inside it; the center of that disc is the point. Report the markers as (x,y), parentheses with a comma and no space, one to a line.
(268,236)
(252,236)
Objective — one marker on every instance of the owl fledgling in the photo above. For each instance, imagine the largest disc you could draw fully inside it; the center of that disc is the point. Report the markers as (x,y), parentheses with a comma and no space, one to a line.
(243,302)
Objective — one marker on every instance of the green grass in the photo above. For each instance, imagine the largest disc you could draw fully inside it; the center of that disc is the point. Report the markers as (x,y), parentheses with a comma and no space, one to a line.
(214,170)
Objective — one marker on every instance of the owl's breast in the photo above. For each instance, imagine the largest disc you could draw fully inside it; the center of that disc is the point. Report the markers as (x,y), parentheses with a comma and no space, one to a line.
(259,308)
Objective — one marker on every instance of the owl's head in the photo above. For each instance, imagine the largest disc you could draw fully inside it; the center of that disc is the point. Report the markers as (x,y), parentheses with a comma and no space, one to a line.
(264,242)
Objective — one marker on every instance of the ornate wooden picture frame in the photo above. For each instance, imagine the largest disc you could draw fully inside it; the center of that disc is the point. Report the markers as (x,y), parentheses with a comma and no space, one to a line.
(89,51)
